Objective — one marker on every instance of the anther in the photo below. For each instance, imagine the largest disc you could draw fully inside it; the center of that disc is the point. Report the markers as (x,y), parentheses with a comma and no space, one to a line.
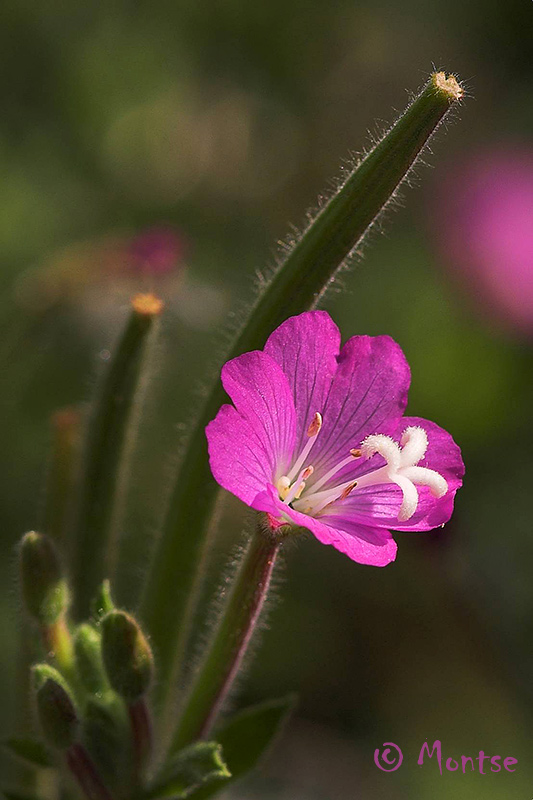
(315,425)
(347,491)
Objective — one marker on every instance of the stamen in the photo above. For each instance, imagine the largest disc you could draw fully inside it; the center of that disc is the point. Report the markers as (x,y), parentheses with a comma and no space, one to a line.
(343,495)
(347,491)
(283,486)
(298,486)
(316,501)
(315,425)
(312,432)
(325,478)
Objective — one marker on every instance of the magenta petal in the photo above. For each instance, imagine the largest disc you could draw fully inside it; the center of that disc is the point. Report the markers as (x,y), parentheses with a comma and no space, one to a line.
(237,455)
(306,348)
(368,395)
(362,543)
(262,396)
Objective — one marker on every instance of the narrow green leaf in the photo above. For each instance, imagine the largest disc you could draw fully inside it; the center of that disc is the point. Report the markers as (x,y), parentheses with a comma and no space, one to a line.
(30,750)
(62,474)
(111,430)
(246,738)
(298,283)
(199,765)
(16,795)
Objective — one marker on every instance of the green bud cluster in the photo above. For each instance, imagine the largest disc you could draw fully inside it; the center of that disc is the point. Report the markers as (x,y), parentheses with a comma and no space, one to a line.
(89,702)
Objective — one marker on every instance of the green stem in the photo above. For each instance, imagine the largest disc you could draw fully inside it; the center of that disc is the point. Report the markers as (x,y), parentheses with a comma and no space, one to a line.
(173,583)
(229,642)
(60,646)
(66,425)
(109,432)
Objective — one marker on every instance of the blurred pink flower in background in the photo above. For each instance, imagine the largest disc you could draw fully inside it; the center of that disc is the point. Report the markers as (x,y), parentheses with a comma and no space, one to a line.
(485,225)
(116,264)
(156,251)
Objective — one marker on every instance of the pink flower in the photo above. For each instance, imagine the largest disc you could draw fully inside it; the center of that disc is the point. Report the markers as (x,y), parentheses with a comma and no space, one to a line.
(157,251)
(488,232)
(317,438)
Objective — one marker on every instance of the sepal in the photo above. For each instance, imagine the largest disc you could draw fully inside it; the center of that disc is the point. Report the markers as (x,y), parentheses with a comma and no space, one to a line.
(198,765)
(31,751)
(89,663)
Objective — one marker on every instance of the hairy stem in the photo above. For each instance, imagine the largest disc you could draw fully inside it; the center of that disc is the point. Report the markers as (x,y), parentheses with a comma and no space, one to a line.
(229,642)
(141,731)
(83,769)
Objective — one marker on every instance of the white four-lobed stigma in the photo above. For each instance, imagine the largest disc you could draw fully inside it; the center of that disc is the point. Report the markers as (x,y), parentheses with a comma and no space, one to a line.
(401,467)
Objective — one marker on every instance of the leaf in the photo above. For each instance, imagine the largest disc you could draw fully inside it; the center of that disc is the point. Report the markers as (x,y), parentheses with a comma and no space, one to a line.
(29,750)
(199,764)
(14,794)
(246,738)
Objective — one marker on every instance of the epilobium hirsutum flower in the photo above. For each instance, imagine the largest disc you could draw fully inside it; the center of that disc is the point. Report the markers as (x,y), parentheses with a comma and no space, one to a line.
(486,232)
(317,438)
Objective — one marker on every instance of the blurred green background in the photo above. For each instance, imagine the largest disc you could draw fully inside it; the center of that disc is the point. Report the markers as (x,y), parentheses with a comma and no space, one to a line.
(222,122)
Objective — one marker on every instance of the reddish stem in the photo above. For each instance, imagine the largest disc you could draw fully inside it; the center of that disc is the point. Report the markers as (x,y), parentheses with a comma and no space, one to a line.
(141,728)
(85,772)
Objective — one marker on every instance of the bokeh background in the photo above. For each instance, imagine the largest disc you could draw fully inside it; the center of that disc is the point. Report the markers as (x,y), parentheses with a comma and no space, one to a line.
(167,146)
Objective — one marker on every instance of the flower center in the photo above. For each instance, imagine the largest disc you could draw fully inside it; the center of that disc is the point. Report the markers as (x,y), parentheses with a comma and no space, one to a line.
(401,469)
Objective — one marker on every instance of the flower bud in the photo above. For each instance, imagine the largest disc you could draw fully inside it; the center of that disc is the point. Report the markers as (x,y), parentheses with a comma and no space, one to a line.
(44,588)
(55,707)
(127,655)
(103,602)
(89,664)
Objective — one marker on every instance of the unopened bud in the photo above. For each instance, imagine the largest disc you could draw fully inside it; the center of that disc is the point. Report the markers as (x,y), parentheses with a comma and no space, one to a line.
(103,602)
(56,707)
(44,587)
(89,664)
(127,655)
